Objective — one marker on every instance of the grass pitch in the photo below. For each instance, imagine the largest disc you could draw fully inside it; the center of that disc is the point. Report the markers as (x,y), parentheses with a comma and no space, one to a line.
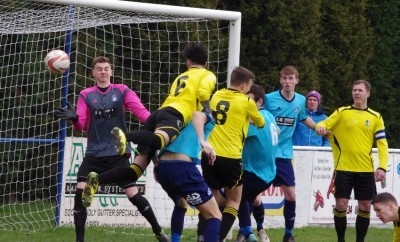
(107,234)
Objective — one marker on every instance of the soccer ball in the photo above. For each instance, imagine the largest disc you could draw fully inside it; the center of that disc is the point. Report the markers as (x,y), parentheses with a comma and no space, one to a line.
(57,61)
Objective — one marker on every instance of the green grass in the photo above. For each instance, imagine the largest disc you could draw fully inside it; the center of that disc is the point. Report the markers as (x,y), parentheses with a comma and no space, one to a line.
(106,234)
(18,219)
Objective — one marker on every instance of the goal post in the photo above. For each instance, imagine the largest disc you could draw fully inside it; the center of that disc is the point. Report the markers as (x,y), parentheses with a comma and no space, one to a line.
(39,154)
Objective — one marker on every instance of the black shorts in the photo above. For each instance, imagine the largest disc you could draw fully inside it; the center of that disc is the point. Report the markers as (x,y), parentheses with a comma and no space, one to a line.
(362,182)
(252,186)
(166,119)
(225,172)
(102,164)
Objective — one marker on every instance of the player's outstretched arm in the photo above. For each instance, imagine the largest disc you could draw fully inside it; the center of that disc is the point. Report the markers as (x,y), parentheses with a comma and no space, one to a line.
(309,123)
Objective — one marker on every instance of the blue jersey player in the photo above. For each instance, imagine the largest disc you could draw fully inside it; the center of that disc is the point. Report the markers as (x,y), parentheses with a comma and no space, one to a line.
(179,177)
(259,153)
(288,107)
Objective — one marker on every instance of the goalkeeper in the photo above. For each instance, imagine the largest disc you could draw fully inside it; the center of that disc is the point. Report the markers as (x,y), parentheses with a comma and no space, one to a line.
(99,109)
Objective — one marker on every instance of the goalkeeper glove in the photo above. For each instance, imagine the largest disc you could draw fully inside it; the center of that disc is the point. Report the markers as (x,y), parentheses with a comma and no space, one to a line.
(67,113)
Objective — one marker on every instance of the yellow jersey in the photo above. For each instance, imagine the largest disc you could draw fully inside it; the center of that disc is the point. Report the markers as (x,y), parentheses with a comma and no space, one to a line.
(353,134)
(188,89)
(232,111)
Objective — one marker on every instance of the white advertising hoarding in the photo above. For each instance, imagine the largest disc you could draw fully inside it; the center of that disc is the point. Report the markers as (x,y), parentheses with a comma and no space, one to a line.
(313,170)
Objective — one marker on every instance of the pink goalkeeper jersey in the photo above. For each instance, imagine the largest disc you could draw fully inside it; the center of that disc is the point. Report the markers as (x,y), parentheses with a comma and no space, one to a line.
(99,112)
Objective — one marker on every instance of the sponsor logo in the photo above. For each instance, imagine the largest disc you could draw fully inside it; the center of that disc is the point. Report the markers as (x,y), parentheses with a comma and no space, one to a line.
(285,121)
(105,113)
(194,199)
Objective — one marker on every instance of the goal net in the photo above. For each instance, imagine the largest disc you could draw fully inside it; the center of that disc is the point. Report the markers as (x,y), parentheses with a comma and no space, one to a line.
(40,155)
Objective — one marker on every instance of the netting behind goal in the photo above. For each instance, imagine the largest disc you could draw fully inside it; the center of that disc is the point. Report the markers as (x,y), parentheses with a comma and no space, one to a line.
(146,51)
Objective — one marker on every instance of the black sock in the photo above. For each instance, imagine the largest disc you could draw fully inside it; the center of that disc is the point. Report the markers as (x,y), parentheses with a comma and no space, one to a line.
(121,174)
(258,214)
(340,219)
(362,224)
(201,225)
(289,213)
(80,216)
(145,209)
(145,137)
(228,218)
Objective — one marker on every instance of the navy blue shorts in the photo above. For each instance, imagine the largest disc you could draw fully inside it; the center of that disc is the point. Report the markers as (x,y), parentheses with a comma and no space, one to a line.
(102,164)
(362,182)
(284,173)
(182,179)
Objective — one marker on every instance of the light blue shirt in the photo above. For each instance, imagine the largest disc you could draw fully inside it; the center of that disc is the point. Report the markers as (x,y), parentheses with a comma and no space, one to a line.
(188,142)
(260,147)
(286,113)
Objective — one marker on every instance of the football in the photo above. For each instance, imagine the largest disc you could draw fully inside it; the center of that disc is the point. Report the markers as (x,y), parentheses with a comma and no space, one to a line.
(57,61)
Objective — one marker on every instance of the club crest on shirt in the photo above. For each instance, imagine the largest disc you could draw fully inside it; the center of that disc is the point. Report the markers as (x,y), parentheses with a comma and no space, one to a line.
(367,123)
(296,109)
(114,98)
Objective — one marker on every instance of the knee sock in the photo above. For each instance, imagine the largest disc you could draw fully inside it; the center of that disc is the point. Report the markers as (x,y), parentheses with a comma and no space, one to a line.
(137,171)
(289,212)
(244,214)
(362,224)
(121,174)
(258,214)
(201,225)
(340,218)
(145,209)
(177,221)
(212,229)
(145,137)
(228,218)
(80,216)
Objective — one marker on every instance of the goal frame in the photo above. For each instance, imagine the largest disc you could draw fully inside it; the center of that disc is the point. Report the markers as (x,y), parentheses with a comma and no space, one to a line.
(233,17)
